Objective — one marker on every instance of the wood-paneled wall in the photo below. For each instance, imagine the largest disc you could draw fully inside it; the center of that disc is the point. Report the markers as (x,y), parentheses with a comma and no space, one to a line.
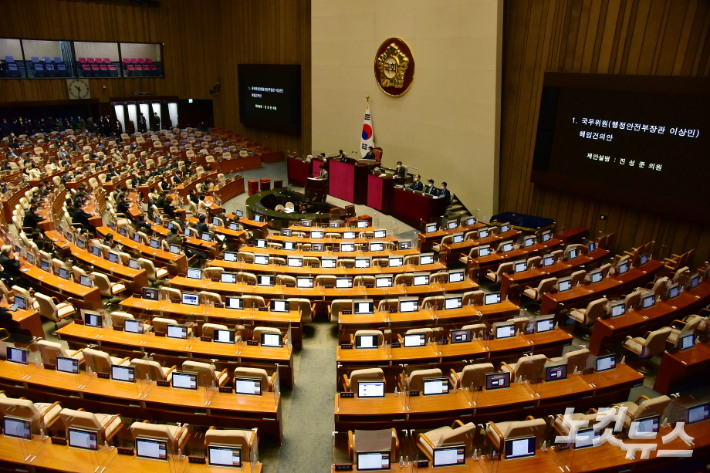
(645,37)
(267,32)
(203,41)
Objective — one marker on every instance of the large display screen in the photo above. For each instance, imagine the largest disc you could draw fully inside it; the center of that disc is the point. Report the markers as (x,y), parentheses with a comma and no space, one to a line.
(270,97)
(640,140)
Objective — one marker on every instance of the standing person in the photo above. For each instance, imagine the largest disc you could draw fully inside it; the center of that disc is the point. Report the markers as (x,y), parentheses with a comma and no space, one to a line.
(445,192)
(400,172)
(156,121)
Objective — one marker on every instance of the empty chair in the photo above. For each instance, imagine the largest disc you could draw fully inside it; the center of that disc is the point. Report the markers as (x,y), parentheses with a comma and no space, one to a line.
(29,299)
(41,415)
(534,262)
(447,240)
(388,305)
(498,432)
(152,370)
(691,322)
(303,306)
(207,374)
(208,329)
(160,324)
(415,380)
(362,281)
(411,260)
(284,279)
(362,440)
(433,302)
(59,312)
(337,306)
(648,407)
(459,433)
(594,310)
(404,278)
(472,375)
(660,287)
(246,440)
(682,276)
(209,297)
(151,271)
(105,425)
(324,280)
(576,359)
(577,277)
(653,344)
(51,350)
(527,368)
(546,285)
(118,319)
(259,330)
(246,278)
(632,300)
(106,287)
(170,293)
(253,302)
(370,374)
(477,330)
(259,373)
(101,362)
(176,437)
(473,298)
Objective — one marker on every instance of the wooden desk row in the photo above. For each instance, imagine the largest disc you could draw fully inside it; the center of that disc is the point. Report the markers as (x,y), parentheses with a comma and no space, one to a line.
(175,351)
(550,344)
(42,455)
(452,252)
(580,296)
(27,321)
(682,365)
(134,279)
(333,254)
(637,322)
(232,266)
(469,314)
(604,458)
(143,400)
(261,229)
(426,240)
(211,314)
(559,269)
(538,400)
(174,263)
(478,267)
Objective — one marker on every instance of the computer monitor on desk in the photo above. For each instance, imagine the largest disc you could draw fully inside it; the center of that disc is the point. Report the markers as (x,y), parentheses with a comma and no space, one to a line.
(408,304)
(370,389)
(617,309)
(190,298)
(470,221)
(380,233)
(404,244)
(177,331)
(449,456)
(383,281)
(93,319)
(289,246)
(265,280)
(133,326)
(373,461)
(272,339)
(556,372)
(606,363)
(492,298)
(622,268)
(377,246)
(497,381)
(18,427)
(223,336)
(362,224)
(344,283)
(426,258)
(362,262)
(460,336)
(349,235)
(66,364)
(303,282)
(278,305)
(81,438)
(317,246)
(483,233)
(505,331)
(234,303)
(365,341)
(151,448)
(685,340)
(250,386)
(435,386)
(596,276)
(564,285)
(364,307)
(225,455)
(193,273)
(328,263)
(230,256)
(698,413)
(16,355)
(451,224)
(175,249)
(520,266)
(123,373)
(648,301)
(457,275)
(317,234)
(395,261)
(648,424)
(453,302)
(673,291)
(587,437)
(484,250)
(229,278)
(430,227)
(458,238)
(415,340)
(520,447)
(544,324)
(420,279)
(528,241)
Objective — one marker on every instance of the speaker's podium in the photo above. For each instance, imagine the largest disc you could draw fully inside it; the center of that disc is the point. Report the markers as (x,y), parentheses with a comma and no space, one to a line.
(315,189)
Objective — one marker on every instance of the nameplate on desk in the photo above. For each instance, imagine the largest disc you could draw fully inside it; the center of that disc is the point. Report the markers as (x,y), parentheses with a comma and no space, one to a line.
(196,459)
(414,393)
(393,311)
(104,375)
(165,384)
(408,284)
(3,357)
(124,451)
(59,441)
(343,467)
(206,339)
(347,395)
(347,312)
(251,283)
(290,285)
(176,301)
(423,464)
(215,279)
(263,309)
(118,329)
(49,366)
(159,334)
(444,342)
(329,286)
(252,343)
(314,265)
(79,322)
(225,389)
(346,346)
(395,345)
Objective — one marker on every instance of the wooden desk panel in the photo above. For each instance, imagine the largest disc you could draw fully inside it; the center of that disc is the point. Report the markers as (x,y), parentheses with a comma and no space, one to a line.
(133,278)
(308,271)
(480,407)
(479,266)
(211,247)
(681,365)
(229,190)
(320,293)
(329,241)
(51,285)
(415,209)
(453,251)
(27,321)
(333,254)
(174,263)
(557,270)
(213,314)
(143,400)
(637,322)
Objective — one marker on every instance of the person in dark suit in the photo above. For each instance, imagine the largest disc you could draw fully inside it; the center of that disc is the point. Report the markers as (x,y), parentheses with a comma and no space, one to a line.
(201,225)
(400,172)
(417,184)
(122,206)
(31,219)
(11,266)
(82,217)
(445,193)
(430,189)
(370,154)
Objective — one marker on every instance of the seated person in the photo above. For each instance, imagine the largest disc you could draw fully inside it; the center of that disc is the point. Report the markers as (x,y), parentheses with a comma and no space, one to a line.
(201,226)
(430,189)
(82,217)
(417,185)
(400,171)
(445,192)
(168,207)
(141,224)
(10,265)
(31,219)
(122,206)
(370,154)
